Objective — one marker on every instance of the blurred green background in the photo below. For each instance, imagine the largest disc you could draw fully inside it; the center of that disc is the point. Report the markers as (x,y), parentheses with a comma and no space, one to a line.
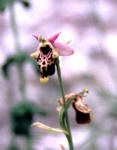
(91,27)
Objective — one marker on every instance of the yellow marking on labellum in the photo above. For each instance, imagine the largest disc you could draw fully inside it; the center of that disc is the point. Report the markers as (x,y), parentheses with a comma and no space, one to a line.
(45,43)
(44,80)
(55,54)
(35,54)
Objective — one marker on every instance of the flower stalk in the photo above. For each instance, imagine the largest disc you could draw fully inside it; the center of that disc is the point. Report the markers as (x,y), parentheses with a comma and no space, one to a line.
(14,27)
(66,119)
(47,57)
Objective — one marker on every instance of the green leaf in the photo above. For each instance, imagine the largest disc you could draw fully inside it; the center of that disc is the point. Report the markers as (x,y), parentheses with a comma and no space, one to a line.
(22,116)
(12,147)
(113,109)
(18,59)
(37,110)
(5,67)
(3,4)
(21,119)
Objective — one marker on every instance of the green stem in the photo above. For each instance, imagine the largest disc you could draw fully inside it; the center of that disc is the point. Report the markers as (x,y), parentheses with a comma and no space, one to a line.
(28,143)
(69,137)
(22,85)
(18,50)
(14,27)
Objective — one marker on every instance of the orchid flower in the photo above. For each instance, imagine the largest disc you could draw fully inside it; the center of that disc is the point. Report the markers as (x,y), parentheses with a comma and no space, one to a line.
(47,54)
(83,113)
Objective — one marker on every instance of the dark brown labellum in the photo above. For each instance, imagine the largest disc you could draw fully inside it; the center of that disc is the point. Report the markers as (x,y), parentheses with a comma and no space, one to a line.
(83,113)
(46,61)
(46,49)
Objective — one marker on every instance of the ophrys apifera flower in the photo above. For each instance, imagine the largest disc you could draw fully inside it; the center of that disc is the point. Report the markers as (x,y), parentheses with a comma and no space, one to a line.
(47,54)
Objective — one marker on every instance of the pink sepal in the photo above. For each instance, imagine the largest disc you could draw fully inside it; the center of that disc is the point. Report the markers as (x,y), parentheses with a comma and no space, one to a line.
(36,37)
(53,38)
(63,49)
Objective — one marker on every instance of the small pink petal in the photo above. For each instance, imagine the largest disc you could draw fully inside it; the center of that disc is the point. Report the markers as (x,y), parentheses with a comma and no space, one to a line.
(63,49)
(53,38)
(36,37)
